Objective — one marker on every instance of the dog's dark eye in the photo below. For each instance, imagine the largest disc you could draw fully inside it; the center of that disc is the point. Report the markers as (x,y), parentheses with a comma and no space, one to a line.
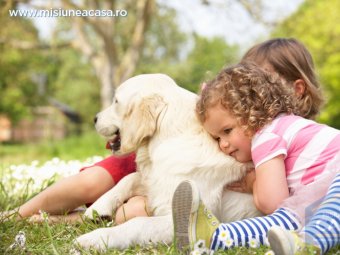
(116,101)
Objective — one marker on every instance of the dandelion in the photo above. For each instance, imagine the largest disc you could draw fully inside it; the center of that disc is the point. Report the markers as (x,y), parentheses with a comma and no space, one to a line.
(270,252)
(253,243)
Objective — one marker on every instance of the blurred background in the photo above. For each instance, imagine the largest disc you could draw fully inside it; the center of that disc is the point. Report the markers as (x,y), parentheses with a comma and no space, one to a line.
(56,73)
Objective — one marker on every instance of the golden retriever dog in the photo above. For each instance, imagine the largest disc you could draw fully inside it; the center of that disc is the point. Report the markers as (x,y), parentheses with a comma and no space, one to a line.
(154,117)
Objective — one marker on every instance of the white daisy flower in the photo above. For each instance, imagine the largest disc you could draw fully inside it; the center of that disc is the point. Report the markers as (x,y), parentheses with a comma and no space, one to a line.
(43,214)
(224,235)
(229,242)
(199,244)
(200,248)
(19,241)
(253,243)
(195,252)
(270,252)
(201,251)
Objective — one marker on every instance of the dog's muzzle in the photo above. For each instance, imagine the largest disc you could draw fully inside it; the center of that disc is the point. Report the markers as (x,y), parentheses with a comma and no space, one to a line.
(114,144)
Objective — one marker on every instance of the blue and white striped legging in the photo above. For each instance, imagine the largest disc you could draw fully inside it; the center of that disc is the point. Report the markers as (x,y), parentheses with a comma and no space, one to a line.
(323,227)
(251,231)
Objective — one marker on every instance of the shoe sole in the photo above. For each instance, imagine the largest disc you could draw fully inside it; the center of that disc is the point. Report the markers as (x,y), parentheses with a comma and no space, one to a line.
(280,241)
(184,202)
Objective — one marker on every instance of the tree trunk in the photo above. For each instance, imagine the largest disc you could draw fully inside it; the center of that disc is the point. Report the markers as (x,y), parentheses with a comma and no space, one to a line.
(107,86)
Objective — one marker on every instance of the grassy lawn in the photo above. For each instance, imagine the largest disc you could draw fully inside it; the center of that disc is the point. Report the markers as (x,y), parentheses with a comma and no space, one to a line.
(27,169)
(76,147)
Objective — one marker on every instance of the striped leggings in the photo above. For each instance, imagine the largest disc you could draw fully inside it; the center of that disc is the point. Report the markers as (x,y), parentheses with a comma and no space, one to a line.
(323,227)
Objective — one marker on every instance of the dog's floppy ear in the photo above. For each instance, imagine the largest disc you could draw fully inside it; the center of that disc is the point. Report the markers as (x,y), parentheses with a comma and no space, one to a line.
(140,122)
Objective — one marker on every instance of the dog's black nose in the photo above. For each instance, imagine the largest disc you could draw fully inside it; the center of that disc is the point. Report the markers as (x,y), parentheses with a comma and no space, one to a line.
(95,120)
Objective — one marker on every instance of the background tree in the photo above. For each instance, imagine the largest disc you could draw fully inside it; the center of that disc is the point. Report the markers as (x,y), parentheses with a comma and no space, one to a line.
(161,47)
(89,56)
(321,20)
(111,44)
(77,72)
(19,66)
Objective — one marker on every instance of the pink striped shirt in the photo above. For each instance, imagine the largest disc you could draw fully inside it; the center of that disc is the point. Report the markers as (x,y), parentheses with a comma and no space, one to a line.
(307,147)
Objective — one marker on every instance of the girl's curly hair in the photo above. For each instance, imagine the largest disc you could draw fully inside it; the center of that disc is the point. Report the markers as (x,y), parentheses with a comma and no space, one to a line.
(255,97)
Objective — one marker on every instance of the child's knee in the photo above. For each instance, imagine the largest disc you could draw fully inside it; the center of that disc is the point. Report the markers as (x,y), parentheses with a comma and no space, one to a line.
(134,207)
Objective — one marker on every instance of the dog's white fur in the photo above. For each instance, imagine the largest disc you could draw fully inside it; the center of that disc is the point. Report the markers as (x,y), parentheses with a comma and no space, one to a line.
(157,119)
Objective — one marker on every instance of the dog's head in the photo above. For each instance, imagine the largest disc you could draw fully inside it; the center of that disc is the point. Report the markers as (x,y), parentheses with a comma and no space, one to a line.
(133,117)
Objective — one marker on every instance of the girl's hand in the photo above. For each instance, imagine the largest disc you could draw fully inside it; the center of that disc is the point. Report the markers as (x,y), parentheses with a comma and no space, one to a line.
(245,185)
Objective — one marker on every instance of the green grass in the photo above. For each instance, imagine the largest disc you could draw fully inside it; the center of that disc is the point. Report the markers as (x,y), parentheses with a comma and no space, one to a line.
(58,238)
(75,147)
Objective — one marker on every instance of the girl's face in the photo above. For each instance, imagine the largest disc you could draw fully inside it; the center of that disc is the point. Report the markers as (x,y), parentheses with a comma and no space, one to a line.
(223,127)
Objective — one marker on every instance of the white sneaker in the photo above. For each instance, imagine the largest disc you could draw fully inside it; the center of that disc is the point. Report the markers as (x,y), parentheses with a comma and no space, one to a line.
(285,242)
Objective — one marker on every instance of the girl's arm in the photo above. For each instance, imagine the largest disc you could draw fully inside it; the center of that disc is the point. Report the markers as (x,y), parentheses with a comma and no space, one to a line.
(270,187)
(245,185)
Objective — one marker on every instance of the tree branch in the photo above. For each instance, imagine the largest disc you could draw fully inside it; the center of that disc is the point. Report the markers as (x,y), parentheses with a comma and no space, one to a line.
(131,57)
(92,21)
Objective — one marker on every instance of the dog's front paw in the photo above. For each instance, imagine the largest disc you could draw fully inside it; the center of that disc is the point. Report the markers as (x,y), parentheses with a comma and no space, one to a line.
(104,238)
(96,239)
(101,209)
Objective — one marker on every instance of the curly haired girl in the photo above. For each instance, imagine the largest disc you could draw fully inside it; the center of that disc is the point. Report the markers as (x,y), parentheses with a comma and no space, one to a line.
(252,114)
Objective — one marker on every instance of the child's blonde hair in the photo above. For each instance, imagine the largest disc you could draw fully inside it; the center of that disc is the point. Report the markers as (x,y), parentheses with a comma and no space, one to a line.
(251,94)
(292,61)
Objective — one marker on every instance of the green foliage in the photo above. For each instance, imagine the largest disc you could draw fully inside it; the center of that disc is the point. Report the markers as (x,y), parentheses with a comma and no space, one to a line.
(207,58)
(16,67)
(70,78)
(317,24)
(76,85)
